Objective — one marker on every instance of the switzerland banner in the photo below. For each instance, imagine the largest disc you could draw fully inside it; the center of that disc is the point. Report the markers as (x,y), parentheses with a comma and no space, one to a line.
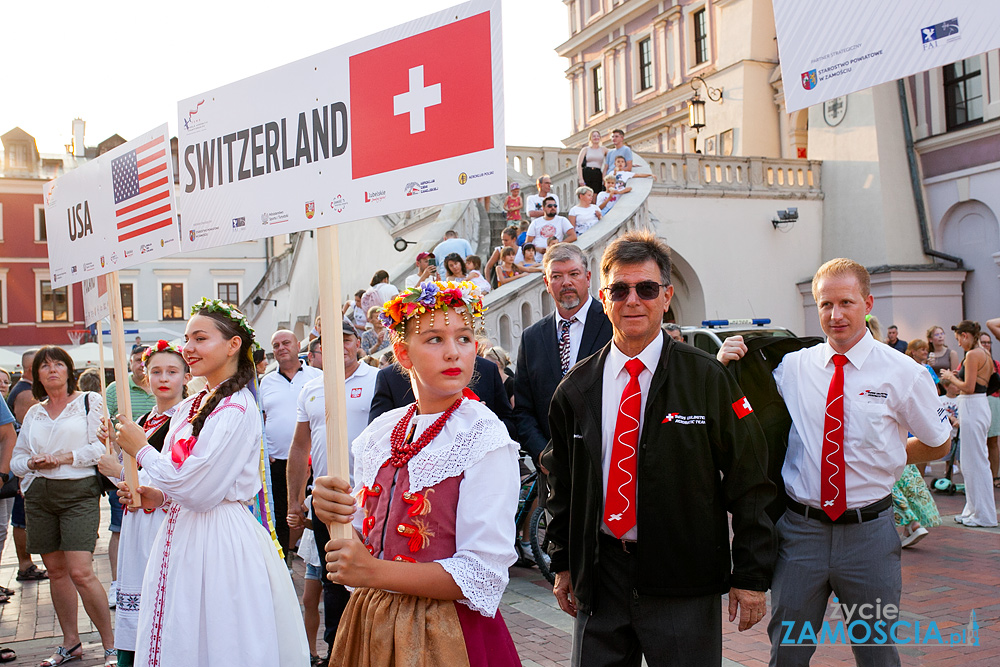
(829,49)
(407,118)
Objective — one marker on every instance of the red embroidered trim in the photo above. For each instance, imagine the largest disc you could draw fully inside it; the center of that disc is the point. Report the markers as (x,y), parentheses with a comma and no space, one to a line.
(156,637)
(418,532)
(421,502)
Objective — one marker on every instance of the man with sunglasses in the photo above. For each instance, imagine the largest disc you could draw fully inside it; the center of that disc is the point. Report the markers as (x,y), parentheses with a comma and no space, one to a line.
(653,445)
(551,228)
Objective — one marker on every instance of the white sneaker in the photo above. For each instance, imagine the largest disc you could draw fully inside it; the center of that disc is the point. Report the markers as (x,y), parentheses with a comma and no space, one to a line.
(113,595)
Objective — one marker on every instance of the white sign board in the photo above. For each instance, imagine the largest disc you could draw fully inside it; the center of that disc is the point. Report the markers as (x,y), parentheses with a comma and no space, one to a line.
(407,118)
(95,300)
(113,212)
(828,49)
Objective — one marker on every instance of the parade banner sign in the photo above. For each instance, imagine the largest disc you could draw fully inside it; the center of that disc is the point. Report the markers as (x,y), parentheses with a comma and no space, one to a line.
(113,212)
(829,49)
(95,300)
(408,118)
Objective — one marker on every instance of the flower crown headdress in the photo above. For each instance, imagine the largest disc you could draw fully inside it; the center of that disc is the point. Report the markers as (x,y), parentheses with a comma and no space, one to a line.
(160,346)
(230,311)
(428,297)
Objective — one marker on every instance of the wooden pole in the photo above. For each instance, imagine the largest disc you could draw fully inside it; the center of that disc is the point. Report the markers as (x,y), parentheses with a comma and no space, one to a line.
(104,389)
(122,371)
(337,445)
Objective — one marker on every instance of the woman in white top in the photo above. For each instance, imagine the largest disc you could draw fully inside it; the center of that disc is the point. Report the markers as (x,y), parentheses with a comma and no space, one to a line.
(585,214)
(55,456)
(589,165)
(216,590)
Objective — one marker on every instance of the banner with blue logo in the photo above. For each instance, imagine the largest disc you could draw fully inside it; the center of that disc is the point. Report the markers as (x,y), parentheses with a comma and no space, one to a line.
(829,49)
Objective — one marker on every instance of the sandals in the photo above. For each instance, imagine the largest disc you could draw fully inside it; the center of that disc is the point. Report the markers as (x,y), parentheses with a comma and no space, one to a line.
(996,482)
(7,655)
(62,656)
(8,592)
(32,574)
(110,657)
(317,661)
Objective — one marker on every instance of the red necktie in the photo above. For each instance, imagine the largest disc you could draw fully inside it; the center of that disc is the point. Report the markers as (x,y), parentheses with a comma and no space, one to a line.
(619,505)
(833,490)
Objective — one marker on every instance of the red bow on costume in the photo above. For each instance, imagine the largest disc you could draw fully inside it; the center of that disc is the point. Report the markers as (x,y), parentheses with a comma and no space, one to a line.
(180,450)
(471,395)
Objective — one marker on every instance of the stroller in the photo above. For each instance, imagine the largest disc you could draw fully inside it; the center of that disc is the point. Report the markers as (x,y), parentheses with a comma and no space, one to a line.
(944,484)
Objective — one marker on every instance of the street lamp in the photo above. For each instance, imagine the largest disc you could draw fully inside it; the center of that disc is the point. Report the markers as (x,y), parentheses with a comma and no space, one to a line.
(257,300)
(786,219)
(400,244)
(696,105)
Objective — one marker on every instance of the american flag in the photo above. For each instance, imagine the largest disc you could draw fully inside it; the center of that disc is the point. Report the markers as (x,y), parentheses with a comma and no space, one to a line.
(142,190)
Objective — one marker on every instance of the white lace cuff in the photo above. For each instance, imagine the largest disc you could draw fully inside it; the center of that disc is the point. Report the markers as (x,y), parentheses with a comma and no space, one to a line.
(482,582)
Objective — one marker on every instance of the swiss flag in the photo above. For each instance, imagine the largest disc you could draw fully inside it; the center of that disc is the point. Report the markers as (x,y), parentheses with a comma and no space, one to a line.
(423,98)
(742,407)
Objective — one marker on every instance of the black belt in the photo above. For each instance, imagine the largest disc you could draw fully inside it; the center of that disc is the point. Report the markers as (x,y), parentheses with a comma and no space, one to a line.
(628,546)
(859,515)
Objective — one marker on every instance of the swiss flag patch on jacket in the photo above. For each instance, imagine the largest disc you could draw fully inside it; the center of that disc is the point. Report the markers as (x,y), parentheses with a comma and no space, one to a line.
(742,407)
(424,98)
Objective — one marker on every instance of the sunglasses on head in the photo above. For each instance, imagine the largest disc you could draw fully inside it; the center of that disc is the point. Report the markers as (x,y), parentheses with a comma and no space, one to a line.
(647,290)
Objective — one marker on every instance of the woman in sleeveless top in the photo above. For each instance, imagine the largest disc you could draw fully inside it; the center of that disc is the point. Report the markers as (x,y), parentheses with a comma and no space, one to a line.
(588,164)
(940,358)
(974,416)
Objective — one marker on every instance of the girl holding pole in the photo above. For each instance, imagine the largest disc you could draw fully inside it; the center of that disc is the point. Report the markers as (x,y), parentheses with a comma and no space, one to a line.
(433,506)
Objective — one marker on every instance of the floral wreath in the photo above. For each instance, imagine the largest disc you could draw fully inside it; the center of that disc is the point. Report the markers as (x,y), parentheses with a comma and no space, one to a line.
(161,346)
(429,296)
(230,311)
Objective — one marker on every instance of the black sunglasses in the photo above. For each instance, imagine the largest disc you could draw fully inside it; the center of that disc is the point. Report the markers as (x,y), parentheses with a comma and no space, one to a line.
(647,290)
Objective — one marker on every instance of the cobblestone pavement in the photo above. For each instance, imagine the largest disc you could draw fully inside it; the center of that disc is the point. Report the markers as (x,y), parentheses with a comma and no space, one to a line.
(951,573)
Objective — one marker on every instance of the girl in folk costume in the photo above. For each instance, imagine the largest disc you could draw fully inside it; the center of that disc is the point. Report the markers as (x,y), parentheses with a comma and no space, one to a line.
(436,491)
(216,591)
(168,375)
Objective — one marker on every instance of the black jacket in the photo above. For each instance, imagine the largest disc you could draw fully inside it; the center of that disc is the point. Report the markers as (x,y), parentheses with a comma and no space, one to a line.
(393,390)
(539,371)
(690,475)
(754,375)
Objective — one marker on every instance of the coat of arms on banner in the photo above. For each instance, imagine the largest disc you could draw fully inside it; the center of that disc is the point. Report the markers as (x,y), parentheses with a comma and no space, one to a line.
(809,79)
(310,209)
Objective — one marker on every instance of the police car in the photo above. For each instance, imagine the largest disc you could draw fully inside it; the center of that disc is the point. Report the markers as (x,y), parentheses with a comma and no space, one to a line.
(710,335)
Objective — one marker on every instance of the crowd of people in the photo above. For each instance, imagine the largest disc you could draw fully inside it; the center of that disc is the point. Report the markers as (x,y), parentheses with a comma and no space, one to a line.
(607,401)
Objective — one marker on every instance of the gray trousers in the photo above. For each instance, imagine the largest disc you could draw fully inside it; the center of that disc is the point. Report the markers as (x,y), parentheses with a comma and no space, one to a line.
(626,626)
(858,562)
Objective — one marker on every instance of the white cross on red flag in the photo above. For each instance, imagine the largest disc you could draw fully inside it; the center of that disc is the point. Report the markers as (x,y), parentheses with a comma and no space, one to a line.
(425,98)
(742,407)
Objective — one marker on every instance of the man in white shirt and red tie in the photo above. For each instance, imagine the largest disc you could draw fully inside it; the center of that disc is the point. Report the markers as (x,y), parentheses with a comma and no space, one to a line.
(852,402)
(653,445)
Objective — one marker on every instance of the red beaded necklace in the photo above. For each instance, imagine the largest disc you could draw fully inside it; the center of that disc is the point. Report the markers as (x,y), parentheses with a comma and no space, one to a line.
(154,422)
(197,404)
(403,451)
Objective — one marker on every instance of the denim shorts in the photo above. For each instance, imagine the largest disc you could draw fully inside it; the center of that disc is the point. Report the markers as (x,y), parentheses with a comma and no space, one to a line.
(314,572)
(116,512)
(17,514)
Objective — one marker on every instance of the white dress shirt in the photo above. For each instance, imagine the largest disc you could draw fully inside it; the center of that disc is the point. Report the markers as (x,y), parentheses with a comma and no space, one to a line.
(613,386)
(278,398)
(886,395)
(575,330)
(360,389)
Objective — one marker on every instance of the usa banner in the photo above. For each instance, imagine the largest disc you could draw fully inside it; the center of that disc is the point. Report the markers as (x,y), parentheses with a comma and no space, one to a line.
(829,49)
(114,212)
(406,118)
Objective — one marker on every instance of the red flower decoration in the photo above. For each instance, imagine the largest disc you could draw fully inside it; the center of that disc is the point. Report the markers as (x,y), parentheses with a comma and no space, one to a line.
(181,450)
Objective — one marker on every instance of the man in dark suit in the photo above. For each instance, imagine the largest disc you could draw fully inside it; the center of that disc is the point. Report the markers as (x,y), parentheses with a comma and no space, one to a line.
(653,446)
(393,390)
(549,347)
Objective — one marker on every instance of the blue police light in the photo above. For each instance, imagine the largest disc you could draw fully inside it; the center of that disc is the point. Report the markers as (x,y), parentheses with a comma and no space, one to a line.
(757,321)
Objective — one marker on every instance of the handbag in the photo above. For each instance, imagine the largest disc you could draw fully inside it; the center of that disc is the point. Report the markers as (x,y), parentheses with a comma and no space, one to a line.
(992,387)
(10,487)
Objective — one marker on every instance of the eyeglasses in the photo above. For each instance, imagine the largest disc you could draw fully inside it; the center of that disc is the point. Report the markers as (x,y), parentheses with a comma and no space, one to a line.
(647,290)
(551,206)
